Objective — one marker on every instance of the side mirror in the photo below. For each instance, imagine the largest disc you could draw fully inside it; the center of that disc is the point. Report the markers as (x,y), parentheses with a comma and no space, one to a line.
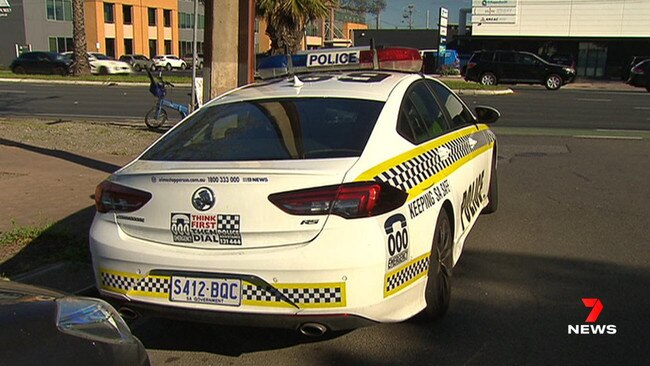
(487,114)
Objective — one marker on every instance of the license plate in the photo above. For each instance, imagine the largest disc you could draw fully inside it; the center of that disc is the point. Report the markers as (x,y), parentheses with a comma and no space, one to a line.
(215,291)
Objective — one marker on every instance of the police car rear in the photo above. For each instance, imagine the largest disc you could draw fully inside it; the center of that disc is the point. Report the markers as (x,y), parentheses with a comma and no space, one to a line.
(252,211)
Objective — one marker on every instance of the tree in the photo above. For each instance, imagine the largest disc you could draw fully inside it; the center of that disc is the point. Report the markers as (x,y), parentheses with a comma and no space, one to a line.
(80,57)
(374,7)
(286,20)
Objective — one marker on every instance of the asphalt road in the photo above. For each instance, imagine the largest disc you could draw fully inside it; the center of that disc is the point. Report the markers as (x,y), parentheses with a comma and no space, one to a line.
(531,106)
(572,223)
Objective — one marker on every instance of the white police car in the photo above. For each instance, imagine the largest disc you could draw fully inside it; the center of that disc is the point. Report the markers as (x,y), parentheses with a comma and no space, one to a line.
(328,200)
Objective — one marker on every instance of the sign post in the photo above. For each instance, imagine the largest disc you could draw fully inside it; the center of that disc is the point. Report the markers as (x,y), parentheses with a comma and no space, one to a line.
(442,35)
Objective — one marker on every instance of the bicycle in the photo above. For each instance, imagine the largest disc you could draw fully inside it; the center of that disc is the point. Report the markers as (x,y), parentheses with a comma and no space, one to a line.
(157,115)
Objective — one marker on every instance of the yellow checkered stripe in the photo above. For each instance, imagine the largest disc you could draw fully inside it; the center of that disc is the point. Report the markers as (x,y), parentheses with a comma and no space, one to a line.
(418,169)
(306,295)
(405,275)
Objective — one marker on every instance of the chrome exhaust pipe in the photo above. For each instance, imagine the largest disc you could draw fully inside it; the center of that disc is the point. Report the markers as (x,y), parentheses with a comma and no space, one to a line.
(128,314)
(312,329)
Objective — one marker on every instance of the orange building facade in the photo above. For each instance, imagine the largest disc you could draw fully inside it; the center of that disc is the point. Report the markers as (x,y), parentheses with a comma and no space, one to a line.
(119,27)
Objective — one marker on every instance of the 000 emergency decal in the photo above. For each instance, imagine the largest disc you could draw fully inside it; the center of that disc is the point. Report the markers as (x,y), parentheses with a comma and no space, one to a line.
(190,228)
(398,240)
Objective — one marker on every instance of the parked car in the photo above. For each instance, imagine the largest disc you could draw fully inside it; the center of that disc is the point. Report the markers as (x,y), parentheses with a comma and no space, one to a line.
(138,62)
(169,62)
(330,203)
(41,326)
(633,62)
(41,63)
(104,65)
(188,60)
(640,75)
(511,67)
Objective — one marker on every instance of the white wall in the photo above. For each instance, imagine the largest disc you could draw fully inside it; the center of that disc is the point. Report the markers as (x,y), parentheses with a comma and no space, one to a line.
(563,18)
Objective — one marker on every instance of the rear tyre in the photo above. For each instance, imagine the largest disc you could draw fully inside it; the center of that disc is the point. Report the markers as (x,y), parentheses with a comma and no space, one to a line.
(151,121)
(59,71)
(553,82)
(183,66)
(488,78)
(103,70)
(168,67)
(19,70)
(647,88)
(493,190)
(438,290)
(137,68)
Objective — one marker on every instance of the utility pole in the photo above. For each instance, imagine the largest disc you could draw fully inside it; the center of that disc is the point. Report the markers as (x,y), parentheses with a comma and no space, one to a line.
(408,15)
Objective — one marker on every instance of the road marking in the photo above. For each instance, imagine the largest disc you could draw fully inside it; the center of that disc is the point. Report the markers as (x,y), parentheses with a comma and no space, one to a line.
(642,108)
(593,100)
(605,137)
(13,91)
(612,130)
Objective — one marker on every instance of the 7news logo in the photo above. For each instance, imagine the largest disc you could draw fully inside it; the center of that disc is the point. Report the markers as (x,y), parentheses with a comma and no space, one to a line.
(596,307)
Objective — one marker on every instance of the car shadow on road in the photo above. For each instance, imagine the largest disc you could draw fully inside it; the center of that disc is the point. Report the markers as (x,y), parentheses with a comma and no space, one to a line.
(64,155)
(506,309)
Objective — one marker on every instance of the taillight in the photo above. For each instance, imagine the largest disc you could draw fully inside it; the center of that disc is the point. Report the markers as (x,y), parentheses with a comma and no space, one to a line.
(351,200)
(114,197)
(470,65)
(637,70)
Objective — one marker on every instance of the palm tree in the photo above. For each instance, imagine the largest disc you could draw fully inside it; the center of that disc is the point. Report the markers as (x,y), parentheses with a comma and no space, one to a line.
(80,57)
(286,20)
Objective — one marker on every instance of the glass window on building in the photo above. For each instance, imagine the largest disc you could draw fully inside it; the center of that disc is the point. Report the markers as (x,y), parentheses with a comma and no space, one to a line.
(592,58)
(60,44)
(128,46)
(59,10)
(109,13)
(127,11)
(110,47)
(153,48)
(167,17)
(168,47)
(152,17)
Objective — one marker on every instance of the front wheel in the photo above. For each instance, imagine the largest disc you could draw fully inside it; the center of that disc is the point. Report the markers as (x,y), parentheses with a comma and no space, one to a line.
(553,82)
(137,68)
(155,117)
(183,66)
(488,78)
(168,67)
(438,290)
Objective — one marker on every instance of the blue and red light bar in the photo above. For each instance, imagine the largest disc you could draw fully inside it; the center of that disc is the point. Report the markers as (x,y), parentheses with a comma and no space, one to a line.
(339,59)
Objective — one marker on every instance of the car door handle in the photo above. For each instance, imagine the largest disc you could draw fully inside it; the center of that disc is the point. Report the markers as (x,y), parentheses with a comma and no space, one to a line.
(472,143)
(443,152)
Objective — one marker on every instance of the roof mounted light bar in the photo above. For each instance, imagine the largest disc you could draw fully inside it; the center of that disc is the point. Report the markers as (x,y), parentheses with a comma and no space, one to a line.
(340,59)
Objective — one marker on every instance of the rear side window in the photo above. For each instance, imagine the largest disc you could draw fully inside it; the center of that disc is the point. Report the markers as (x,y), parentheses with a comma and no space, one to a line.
(485,56)
(275,129)
(506,57)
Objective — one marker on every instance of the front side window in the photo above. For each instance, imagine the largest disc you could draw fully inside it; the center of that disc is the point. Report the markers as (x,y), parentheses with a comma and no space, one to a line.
(459,115)
(420,118)
(527,59)
(274,129)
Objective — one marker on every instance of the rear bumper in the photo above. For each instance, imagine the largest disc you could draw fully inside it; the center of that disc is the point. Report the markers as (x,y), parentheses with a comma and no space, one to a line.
(334,280)
(333,322)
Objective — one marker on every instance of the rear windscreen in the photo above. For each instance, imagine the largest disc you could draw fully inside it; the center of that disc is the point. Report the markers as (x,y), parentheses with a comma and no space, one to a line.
(273,129)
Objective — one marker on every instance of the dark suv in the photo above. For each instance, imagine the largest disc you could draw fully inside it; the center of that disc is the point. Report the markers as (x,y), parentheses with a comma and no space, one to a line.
(492,67)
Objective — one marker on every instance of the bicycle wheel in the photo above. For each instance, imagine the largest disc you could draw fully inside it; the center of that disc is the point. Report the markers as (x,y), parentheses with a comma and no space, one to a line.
(153,121)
